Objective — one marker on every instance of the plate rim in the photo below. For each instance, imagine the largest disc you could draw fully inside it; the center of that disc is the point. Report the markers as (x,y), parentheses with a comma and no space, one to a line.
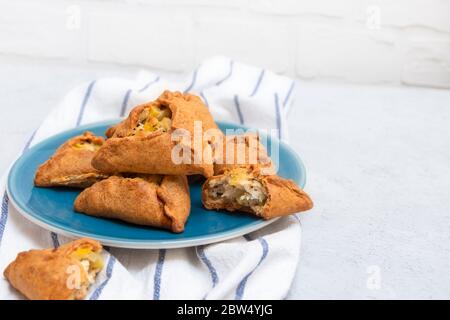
(137,243)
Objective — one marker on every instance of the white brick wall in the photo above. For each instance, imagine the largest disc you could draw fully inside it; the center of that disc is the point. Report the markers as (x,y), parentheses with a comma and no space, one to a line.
(364,41)
(157,38)
(347,51)
(263,42)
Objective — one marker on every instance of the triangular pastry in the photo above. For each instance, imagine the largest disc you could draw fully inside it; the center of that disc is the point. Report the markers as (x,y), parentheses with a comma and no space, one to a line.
(152,200)
(236,151)
(144,142)
(65,273)
(70,166)
(244,189)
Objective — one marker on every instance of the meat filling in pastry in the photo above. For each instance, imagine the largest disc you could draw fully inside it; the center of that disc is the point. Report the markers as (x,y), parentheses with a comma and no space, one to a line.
(65,273)
(70,166)
(240,189)
(245,189)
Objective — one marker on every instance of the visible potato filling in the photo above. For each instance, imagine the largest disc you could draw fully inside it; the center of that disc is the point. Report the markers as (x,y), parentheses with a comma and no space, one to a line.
(153,118)
(240,188)
(87,145)
(91,261)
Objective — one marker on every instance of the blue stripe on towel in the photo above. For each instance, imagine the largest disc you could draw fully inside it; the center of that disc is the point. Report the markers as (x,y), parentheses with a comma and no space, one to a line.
(85,101)
(27,145)
(278,115)
(207,262)
(238,109)
(288,95)
(123,109)
(4,215)
(5,201)
(258,82)
(55,240)
(109,270)
(158,274)
(298,219)
(194,78)
(265,250)
(204,99)
(149,84)
(230,72)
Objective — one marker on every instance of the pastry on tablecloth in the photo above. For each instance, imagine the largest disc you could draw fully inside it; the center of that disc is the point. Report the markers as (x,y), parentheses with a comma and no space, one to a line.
(65,273)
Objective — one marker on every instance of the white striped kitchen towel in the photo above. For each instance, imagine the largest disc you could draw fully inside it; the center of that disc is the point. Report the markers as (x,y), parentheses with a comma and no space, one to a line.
(258,266)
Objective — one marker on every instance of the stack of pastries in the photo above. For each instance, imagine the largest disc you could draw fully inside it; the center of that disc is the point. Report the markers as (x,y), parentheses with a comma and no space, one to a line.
(131,176)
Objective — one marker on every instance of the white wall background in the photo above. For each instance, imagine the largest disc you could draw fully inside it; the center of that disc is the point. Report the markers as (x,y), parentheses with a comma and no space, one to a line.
(363,41)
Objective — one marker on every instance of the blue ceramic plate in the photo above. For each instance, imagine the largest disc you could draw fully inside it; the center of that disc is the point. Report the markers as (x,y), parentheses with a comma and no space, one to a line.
(51,208)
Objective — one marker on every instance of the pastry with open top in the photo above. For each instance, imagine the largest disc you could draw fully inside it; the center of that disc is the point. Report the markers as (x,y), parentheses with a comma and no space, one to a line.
(158,138)
(70,165)
(65,273)
(247,190)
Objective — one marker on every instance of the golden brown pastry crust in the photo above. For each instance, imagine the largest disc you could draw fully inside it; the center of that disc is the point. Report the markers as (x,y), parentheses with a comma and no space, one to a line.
(284,197)
(43,274)
(252,153)
(70,166)
(140,200)
(151,153)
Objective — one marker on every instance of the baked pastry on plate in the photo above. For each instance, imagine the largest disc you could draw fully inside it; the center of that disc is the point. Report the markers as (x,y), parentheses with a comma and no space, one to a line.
(235,151)
(151,200)
(70,166)
(64,273)
(245,189)
(144,142)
